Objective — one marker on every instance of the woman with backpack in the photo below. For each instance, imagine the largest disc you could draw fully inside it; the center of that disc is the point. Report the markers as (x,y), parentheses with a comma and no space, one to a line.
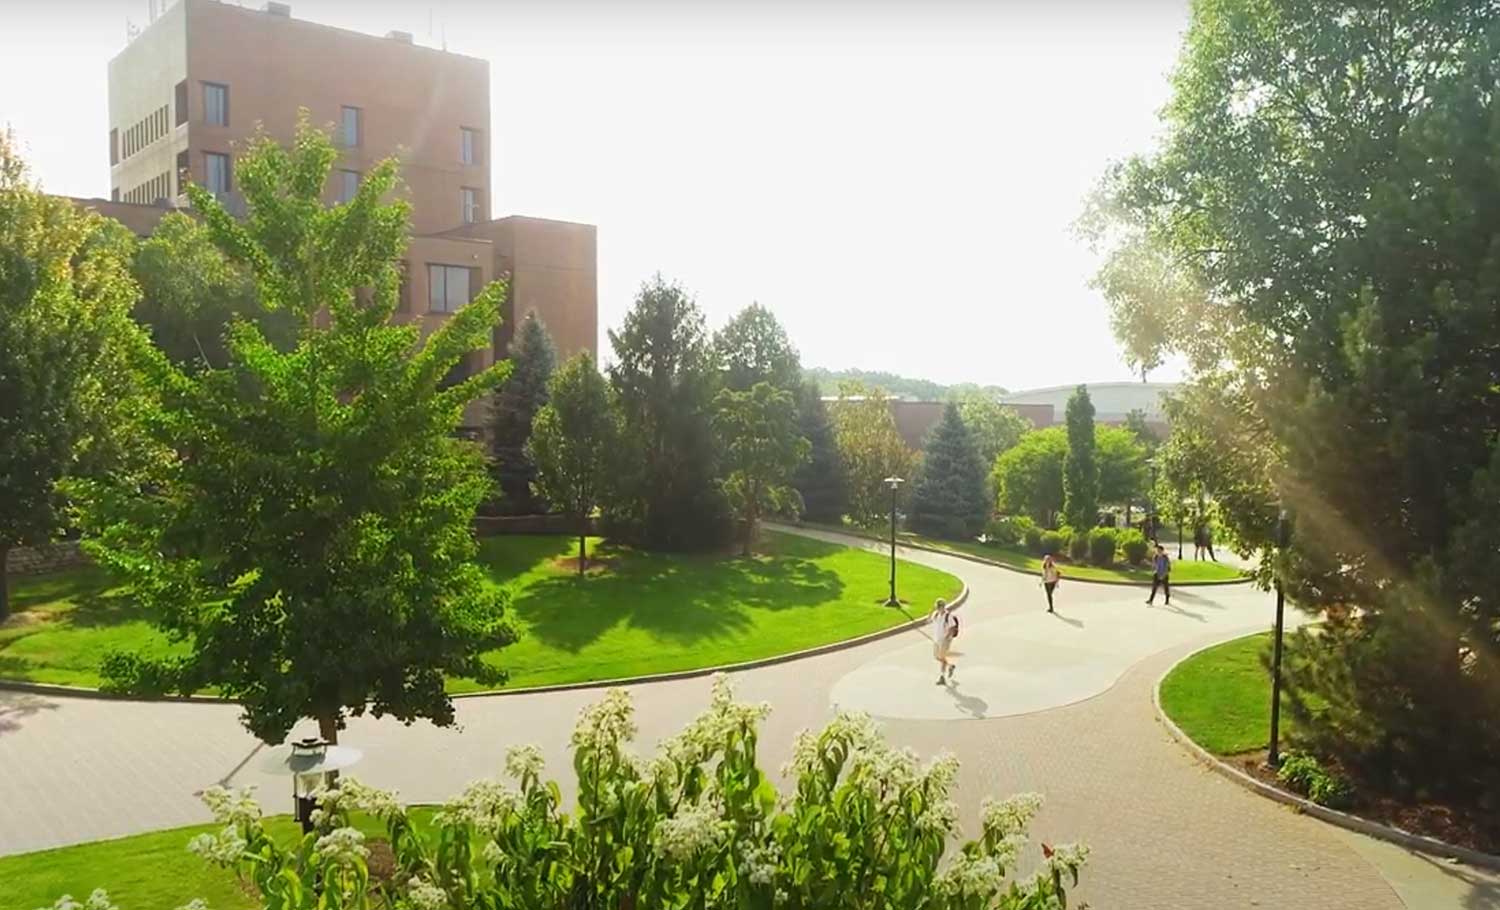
(944,627)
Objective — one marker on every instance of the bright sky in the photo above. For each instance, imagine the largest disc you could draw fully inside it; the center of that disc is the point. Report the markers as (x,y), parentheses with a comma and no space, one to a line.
(896,181)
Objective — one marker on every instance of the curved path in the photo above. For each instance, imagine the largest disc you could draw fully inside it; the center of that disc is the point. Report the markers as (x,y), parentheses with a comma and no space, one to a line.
(1058,704)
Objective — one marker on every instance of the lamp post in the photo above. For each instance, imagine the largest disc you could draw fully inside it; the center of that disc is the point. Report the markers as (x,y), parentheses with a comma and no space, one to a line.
(895,484)
(311,763)
(1283,539)
(1151,503)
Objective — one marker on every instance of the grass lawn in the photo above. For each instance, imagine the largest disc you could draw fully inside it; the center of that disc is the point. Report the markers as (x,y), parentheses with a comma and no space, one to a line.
(1221,697)
(143,872)
(644,613)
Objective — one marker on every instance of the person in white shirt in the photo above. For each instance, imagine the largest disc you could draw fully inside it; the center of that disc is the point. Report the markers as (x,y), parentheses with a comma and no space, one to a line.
(1050,577)
(944,628)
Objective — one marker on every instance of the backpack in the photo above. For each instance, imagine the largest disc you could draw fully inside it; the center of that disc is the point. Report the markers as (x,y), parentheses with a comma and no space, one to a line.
(953,617)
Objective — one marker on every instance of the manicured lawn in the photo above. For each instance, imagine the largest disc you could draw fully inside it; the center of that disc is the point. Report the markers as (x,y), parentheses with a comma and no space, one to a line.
(1182,569)
(144,872)
(644,613)
(1221,697)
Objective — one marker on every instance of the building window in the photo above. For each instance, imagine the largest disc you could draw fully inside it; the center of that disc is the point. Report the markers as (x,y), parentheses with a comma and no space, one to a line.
(349,127)
(180,102)
(114,146)
(215,104)
(448,287)
(470,203)
(468,146)
(182,171)
(348,185)
(114,194)
(216,166)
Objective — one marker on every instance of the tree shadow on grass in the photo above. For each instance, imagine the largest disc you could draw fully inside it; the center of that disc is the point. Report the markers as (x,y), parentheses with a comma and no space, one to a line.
(29,592)
(681,598)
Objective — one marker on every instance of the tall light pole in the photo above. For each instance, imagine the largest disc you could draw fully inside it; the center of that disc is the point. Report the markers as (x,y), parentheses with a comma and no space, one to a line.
(1151,503)
(1283,539)
(895,484)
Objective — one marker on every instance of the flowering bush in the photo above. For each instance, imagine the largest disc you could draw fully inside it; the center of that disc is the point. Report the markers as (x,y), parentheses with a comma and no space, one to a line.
(697,826)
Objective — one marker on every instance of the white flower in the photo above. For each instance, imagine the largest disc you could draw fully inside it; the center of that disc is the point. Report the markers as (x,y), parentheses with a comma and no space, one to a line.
(1066,858)
(940,817)
(232,807)
(349,795)
(854,730)
(196,903)
(492,853)
(522,762)
(222,849)
(972,876)
(343,846)
(485,804)
(692,829)
(424,895)
(1011,815)
(760,864)
(99,900)
(606,724)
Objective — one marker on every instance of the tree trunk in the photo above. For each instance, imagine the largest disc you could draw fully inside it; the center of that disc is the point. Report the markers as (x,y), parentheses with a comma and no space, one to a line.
(4,585)
(328,728)
(583,526)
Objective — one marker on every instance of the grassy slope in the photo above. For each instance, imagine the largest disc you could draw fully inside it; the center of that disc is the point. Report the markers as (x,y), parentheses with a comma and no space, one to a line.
(1221,697)
(1182,569)
(648,613)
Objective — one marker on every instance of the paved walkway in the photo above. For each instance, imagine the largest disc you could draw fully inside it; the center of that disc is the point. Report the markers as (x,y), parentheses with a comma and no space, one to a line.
(1165,832)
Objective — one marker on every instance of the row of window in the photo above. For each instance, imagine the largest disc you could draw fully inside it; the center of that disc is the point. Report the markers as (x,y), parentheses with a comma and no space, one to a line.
(150,128)
(158,187)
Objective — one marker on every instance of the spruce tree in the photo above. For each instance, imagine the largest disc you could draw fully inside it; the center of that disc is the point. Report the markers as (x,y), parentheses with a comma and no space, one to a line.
(949,499)
(533,358)
(1081,468)
(820,480)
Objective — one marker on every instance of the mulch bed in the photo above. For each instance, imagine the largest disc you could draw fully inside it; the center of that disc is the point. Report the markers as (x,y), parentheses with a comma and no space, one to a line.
(1461,826)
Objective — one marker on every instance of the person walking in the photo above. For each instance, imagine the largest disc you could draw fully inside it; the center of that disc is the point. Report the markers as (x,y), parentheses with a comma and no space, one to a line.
(1161,576)
(1050,577)
(1208,542)
(1200,534)
(944,628)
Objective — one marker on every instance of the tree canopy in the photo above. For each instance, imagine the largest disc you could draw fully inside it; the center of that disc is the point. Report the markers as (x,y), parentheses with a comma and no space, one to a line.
(1081,468)
(820,480)
(995,427)
(533,358)
(753,347)
(871,450)
(762,450)
(1323,224)
(573,440)
(309,536)
(1028,477)
(949,499)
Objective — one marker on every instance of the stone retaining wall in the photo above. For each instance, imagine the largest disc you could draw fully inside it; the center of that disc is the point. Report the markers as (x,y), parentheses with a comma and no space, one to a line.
(35,560)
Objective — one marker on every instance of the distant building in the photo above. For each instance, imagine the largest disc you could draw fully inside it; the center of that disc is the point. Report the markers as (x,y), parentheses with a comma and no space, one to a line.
(1044,407)
(191,90)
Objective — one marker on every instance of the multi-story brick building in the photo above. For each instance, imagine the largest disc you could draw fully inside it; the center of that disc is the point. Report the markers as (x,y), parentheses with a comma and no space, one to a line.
(188,94)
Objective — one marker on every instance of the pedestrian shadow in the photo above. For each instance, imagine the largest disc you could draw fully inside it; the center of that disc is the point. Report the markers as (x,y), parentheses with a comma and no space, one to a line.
(1173,608)
(1075,623)
(1196,599)
(972,705)
(1484,892)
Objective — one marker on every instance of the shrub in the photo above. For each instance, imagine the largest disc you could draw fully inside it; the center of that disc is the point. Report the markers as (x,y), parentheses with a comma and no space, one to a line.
(697,826)
(1033,536)
(1051,542)
(1133,544)
(1078,544)
(1304,774)
(1102,546)
(1006,530)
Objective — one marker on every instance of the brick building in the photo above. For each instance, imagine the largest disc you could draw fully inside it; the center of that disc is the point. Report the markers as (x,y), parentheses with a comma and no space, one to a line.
(190,91)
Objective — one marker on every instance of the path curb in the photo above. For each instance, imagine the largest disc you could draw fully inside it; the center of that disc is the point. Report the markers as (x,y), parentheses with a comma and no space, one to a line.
(957,601)
(1418,842)
(959,554)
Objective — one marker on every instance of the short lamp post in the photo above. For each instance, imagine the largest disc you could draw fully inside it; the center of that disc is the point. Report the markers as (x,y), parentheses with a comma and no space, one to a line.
(1283,540)
(895,484)
(311,763)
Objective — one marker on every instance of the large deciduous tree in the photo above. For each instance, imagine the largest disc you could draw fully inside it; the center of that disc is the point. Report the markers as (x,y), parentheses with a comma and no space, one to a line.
(65,338)
(949,499)
(753,347)
(1322,223)
(762,450)
(1081,467)
(667,493)
(191,294)
(533,358)
(820,480)
(995,427)
(1028,477)
(573,439)
(310,538)
(871,450)
(1122,465)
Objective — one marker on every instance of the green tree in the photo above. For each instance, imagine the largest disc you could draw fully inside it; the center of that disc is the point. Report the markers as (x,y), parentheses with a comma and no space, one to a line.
(1081,468)
(820,481)
(1135,422)
(762,450)
(65,332)
(191,294)
(1327,200)
(753,347)
(994,426)
(573,440)
(950,499)
(310,535)
(667,494)
(1122,465)
(533,358)
(870,449)
(1028,477)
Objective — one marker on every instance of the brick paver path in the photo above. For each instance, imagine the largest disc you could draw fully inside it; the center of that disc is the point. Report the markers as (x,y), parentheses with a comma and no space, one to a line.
(1165,832)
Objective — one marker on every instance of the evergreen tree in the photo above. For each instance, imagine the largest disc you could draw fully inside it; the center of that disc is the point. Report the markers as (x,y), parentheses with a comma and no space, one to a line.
(820,480)
(753,347)
(1081,468)
(950,499)
(533,358)
(667,493)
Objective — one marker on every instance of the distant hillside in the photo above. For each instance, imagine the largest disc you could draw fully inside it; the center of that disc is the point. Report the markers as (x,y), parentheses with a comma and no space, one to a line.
(898,386)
